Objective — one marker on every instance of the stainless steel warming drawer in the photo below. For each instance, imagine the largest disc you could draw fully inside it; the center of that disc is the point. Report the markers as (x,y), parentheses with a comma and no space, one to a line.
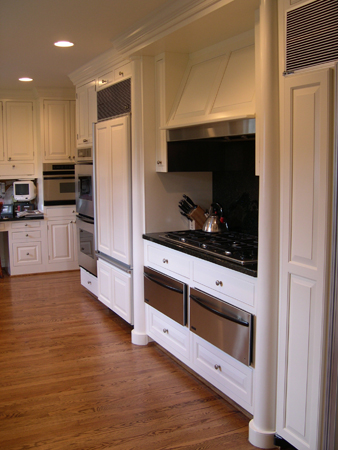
(166,294)
(223,325)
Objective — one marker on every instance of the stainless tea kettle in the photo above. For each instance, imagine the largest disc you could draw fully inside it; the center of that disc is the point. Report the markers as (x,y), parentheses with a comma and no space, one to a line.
(213,223)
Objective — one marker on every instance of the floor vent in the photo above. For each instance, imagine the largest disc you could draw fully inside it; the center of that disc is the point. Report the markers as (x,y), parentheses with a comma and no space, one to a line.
(312,35)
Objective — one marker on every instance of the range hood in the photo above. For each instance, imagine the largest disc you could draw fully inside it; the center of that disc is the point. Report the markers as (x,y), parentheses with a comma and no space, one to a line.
(230,130)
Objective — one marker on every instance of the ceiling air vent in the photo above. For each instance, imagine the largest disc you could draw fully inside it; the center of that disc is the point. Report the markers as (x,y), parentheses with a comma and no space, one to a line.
(312,35)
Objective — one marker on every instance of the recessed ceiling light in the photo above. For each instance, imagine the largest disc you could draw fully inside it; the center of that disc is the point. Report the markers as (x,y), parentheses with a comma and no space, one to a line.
(25,79)
(63,44)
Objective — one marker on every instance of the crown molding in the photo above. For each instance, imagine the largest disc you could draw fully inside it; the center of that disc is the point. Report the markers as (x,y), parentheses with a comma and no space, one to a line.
(163,21)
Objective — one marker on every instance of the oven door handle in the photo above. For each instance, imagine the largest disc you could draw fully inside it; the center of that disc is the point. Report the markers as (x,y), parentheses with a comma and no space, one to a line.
(224,316)
(171,288)
(85,219)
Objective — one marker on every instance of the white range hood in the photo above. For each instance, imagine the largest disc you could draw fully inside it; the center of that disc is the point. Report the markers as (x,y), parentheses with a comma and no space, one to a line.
(217,86)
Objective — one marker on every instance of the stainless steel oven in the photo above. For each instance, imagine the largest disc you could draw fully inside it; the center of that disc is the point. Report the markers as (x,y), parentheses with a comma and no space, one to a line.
(86,236)
(58,184)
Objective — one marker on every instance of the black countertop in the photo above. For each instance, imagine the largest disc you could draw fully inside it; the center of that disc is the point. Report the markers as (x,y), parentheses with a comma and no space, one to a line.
(21,219)
(249,269)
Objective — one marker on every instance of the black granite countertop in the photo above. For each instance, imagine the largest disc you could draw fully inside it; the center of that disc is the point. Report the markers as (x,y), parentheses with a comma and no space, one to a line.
(21,219)
(250,269)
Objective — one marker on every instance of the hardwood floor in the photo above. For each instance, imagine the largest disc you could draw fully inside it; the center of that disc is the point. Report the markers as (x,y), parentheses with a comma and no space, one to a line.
(70,379)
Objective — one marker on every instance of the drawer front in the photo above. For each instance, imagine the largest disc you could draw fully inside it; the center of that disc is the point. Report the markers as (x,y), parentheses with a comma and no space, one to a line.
(26,235)
(168,260)
(122,72)
(220,280)
(166,294)
(27,225)
(228,375)
(169,334)
(89,282)
(27,254)
(59,211)
(16,169)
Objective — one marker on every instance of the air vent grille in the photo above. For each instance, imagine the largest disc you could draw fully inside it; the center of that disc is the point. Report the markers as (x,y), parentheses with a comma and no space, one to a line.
(312,34)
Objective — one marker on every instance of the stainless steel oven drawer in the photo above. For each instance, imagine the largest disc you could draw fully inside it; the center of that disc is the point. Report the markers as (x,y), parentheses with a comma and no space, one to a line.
(223,325)
(166,294)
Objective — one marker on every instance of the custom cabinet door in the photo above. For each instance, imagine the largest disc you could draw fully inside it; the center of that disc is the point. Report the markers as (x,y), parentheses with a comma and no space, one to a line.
(19,131)
(86,113)
(113,188)
(61,241)
(306,173)
(57,129)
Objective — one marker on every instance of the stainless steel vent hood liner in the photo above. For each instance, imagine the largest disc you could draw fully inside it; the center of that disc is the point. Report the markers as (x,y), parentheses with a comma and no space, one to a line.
(231,129)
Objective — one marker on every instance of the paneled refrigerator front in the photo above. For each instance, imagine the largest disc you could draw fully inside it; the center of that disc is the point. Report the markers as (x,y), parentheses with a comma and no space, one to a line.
(112,163)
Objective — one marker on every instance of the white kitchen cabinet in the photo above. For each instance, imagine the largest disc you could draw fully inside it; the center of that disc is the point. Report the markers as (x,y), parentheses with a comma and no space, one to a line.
(113,188)
(306,166)
(61,234)
(116,74)
(114,289)
(19,131)
(86,113)
(169,70)
(89,281)
(26,241)
(59,132)
(234,379)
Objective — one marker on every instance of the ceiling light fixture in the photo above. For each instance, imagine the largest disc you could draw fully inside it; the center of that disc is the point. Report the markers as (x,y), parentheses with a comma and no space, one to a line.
(25,79)
(63,44)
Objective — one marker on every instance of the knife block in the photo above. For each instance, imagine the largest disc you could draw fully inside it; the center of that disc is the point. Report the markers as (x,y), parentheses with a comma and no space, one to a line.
(198,216)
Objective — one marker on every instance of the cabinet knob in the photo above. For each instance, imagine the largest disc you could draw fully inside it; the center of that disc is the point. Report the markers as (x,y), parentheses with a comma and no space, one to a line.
(9,159)
(89,282)
(165,330)
(104,81)
(27,254)
(121,74)
(165,261)
(85,140)
(159,162)
(219,283)
(13,166)
(27,235)
(26,224)
(218,367)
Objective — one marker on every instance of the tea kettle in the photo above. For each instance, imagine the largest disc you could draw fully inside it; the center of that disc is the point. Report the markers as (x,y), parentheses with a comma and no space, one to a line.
(213,223)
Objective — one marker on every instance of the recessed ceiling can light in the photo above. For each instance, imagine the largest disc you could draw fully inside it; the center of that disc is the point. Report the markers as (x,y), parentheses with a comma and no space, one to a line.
(25,79)
(63,44)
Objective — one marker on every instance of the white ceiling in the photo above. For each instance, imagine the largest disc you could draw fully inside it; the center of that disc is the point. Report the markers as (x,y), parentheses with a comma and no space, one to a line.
(29,28)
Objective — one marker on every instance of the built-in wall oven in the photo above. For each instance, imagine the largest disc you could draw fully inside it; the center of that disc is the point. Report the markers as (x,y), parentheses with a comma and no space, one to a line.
(84,187)
(58,184)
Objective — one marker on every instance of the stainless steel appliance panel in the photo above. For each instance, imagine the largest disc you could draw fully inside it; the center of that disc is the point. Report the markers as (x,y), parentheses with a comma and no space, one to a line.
(85,233)
(165,294)
(223,325)
(58,184)
(84,187)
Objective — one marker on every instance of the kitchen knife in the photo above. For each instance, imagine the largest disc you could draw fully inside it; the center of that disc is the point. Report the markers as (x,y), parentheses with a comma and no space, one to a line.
(185,215)
(188,199)
(184,207)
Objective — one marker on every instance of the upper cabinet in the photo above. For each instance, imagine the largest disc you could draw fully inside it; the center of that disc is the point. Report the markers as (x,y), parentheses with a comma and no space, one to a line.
(115,75)
(17,139)
(59,130)
(86,113)
(217,87)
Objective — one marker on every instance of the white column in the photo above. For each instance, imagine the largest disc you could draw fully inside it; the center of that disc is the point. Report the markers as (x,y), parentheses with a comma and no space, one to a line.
(262,426)
(138,335)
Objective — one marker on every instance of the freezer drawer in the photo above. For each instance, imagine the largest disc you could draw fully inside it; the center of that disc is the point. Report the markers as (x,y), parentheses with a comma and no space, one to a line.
(166,294)
(223,325)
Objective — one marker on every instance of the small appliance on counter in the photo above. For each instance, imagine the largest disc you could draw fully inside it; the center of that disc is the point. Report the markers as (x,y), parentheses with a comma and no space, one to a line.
(7,211)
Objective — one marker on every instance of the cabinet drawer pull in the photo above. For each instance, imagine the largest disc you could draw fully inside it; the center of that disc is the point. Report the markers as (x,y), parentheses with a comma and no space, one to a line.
(165,261)
(121,74)
(27,254)
(218,367)
(219,283)
(85,140)
(13,166)
(27,235)
(159,162)
(26,224)
(89,282)
(165,330)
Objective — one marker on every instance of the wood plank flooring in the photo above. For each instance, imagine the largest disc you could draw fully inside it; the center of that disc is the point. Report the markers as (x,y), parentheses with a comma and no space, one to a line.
(70,379)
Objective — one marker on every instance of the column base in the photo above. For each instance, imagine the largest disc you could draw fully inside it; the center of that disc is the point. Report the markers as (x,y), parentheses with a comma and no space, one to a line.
(261,438)
(139,338)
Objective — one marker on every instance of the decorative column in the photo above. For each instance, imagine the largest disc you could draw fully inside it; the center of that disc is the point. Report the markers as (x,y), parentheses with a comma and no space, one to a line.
(263,425)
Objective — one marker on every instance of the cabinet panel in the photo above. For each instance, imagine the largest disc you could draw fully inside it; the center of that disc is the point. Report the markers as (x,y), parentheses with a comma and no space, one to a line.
(27,253)
(166,259)
(26,235)
(86,113)
(17,169)
(57,128)
(19,131)
(60,241)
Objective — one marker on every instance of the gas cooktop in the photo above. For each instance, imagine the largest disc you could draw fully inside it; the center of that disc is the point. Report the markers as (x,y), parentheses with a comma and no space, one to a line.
(239,248)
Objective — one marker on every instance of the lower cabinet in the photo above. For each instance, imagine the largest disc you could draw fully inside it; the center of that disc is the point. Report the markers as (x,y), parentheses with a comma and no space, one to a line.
(226,373)
(115,289)
(89,281)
